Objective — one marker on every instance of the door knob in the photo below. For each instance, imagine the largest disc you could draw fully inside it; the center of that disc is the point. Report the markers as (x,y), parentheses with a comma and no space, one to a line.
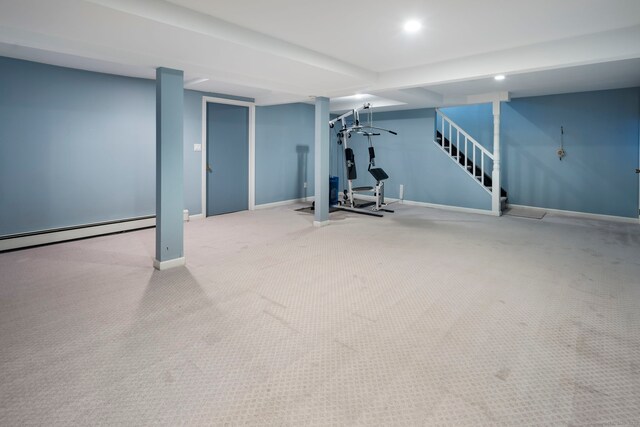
(209,168)
(637,170)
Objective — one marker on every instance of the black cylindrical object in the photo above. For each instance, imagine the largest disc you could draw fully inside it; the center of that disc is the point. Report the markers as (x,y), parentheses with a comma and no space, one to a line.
(334,185)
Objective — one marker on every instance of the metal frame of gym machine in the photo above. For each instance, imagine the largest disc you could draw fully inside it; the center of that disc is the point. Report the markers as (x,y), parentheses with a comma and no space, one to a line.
(343,136)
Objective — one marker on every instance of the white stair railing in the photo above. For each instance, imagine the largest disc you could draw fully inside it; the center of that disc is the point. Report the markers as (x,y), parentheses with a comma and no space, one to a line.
(473,152)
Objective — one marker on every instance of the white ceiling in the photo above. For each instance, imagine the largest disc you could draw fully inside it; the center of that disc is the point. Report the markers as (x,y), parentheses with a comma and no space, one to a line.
(369,33)
(288,50)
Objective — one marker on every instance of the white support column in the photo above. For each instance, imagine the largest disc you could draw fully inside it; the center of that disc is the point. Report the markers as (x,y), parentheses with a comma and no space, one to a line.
(496,184)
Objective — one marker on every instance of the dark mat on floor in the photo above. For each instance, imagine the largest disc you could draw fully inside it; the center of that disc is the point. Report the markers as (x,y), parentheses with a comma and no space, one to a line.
(525,212)
(309,209)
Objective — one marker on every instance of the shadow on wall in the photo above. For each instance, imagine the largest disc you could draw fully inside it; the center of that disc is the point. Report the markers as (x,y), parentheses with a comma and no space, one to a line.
(303,166)
(538,182)
(534,178)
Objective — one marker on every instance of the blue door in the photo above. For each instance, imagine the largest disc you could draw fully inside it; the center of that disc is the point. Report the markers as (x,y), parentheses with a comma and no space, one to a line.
(227,158)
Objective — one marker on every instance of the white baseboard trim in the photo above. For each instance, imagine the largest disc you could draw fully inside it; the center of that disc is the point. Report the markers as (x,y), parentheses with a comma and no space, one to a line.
(321,223)
(449,208)
(285,202)
(171,263)
(584,215)
(196,216)
(79,233)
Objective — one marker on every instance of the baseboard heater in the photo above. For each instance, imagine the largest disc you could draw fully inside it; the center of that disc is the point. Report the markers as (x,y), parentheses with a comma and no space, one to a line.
(36,238)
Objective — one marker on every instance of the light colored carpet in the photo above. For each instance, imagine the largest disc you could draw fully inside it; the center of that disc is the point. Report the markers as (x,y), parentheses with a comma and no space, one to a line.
(420,317)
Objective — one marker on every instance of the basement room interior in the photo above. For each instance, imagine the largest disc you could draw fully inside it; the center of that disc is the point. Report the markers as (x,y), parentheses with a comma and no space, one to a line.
(288,213)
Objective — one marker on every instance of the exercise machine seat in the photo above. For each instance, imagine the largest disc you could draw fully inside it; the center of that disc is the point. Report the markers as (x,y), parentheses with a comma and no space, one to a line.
(378,174)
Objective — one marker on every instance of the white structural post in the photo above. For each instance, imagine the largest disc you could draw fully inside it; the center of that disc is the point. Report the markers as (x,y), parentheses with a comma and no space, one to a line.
(495,176)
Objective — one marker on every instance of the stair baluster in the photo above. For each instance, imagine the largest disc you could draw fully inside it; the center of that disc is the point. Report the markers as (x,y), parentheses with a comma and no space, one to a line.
(469,162)
(466,155)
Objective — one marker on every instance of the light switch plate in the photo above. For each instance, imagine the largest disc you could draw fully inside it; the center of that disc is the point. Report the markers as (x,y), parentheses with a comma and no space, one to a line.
(197,147)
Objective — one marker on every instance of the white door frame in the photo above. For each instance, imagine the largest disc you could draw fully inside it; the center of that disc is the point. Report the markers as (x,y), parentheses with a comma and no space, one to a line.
(251,142)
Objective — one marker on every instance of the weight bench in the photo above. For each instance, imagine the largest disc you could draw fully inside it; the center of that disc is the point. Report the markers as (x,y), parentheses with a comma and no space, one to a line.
(378,190)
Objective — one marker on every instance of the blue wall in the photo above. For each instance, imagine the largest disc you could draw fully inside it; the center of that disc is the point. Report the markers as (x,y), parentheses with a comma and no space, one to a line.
(475,119)
(78,147)
(601,141)
(284,152)
(411,158)
(75,147)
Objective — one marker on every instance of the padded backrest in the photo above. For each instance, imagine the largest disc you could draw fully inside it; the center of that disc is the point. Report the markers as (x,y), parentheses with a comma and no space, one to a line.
(351,163)
(378,174)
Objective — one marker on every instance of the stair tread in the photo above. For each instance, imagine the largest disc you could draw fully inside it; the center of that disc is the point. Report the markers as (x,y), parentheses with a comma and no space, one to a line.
(471,168)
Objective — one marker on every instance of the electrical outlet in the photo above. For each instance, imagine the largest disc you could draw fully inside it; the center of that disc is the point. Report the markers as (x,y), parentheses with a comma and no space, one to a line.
(305,184)
(197,147)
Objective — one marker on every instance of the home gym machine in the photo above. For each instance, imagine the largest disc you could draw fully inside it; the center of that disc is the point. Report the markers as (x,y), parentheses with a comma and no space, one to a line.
(351,193)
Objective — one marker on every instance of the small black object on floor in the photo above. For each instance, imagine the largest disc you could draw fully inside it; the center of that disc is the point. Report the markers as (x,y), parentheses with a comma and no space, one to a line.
(309,209)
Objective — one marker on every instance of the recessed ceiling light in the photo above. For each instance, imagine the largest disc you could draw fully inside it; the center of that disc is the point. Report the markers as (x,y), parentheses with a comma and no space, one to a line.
(412,26)
(499,77)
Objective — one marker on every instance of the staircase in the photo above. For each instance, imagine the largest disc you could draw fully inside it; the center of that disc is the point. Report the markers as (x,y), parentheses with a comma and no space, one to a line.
(467,153)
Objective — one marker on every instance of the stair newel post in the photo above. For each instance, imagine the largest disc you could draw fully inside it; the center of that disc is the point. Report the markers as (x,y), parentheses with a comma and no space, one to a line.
(495,176)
